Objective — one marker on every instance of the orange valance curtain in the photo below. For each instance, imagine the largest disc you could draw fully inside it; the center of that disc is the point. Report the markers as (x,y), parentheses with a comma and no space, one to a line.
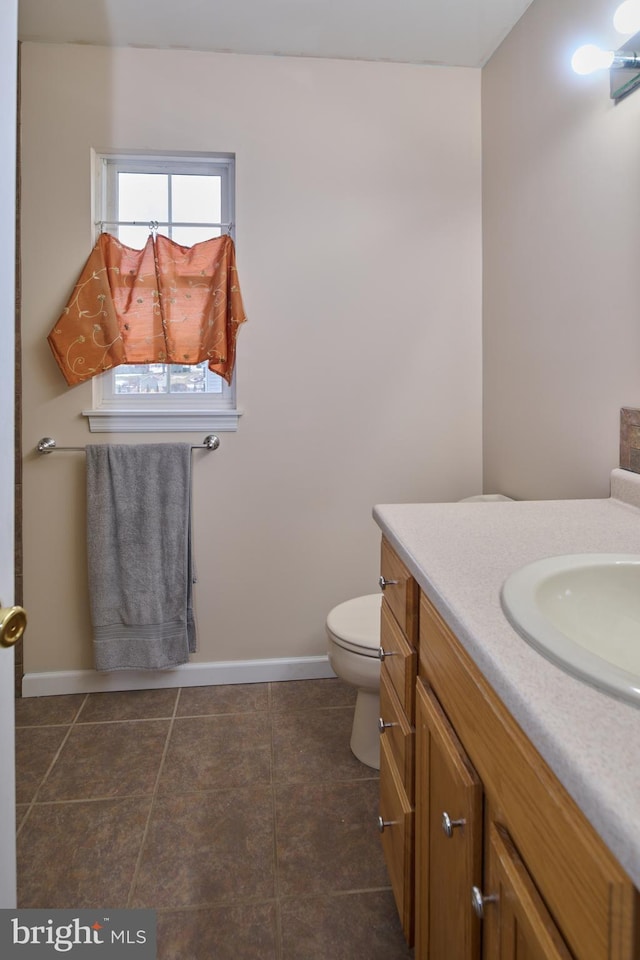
(162,304)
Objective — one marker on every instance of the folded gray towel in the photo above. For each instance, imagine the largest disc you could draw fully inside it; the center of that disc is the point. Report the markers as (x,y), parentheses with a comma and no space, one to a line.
(139,554)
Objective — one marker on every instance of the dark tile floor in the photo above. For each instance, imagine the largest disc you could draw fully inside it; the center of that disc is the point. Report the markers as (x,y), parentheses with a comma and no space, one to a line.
(239,813)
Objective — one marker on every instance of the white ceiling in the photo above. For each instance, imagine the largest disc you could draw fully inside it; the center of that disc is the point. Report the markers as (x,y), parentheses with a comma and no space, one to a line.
(452,32)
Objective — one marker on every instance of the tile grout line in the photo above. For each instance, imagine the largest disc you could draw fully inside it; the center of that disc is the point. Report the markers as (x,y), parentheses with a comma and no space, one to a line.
(52,764)
(297,898)
(276,873)
(145,832)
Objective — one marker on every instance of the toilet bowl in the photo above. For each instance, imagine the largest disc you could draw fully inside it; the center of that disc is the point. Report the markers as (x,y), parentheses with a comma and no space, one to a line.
(353,630)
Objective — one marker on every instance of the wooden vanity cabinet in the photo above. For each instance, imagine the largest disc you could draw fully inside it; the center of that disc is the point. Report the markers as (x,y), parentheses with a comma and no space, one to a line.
(489,857)
(398,654)
(547,886)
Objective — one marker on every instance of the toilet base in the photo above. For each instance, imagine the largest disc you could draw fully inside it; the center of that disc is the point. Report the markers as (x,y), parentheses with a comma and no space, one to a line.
(365,736)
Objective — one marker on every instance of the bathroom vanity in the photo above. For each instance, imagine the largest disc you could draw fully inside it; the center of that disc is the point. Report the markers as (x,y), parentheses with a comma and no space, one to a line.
(509,791)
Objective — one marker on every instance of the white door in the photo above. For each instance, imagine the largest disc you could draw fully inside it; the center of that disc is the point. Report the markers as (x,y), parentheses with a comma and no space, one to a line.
(8,110)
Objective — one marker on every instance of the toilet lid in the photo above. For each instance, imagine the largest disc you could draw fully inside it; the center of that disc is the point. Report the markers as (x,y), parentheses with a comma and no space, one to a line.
(356,623)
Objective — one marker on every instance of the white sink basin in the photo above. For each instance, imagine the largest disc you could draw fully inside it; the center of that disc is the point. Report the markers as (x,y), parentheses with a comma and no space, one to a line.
(582,612)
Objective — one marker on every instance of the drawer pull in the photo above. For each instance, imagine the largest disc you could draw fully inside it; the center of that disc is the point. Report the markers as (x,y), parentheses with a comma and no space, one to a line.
(386,583)
(384,725)
(478,901)
(449,825)
(382,824)
(383,654)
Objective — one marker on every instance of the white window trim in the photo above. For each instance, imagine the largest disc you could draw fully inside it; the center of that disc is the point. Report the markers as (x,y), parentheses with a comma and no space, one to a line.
(161,421)
(176,413)
(152,415)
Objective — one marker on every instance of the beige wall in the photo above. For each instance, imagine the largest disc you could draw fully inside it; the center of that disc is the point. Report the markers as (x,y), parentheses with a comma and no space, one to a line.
(358,239)
(561,221)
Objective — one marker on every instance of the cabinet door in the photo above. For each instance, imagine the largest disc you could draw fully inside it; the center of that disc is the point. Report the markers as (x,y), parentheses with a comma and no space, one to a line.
(397,827)
(449,838)
(518,926)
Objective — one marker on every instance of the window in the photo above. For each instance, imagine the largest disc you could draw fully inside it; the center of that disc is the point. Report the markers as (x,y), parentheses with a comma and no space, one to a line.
(189,199)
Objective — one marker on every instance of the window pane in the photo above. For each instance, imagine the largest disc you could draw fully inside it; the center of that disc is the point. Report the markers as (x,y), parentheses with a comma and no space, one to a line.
(187,236)
(196,199)
(134,237)
(196,378)
(184,378)
(143,197)
(141,378)
(149,378)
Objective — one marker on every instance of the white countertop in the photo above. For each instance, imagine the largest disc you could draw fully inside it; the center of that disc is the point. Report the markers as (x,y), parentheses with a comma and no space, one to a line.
(460,554)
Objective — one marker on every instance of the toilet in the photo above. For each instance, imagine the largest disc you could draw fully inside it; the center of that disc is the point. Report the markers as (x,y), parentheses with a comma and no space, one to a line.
(353,629)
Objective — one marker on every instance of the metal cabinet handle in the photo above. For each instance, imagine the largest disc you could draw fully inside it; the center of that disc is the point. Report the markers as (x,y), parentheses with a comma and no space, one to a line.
(384,725)
(386,583)
(449,825)
(478,901)
(382,824)
(383,654)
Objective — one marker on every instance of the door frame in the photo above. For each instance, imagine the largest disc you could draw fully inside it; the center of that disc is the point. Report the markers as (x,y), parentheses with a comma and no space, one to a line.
(8,145)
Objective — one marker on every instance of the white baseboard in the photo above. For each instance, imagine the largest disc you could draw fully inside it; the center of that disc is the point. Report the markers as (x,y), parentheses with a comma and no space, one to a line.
(187,675)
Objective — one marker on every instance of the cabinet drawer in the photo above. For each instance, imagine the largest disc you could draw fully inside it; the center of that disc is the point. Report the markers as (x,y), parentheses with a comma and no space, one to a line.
(401,593)
(399,661)
(397,815)
(400,736)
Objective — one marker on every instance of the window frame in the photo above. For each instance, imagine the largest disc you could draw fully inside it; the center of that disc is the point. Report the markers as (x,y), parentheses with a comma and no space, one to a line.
(144,413)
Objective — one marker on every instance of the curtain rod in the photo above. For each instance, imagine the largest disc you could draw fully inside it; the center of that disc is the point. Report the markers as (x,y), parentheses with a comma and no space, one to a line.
(154,224)
(48,445)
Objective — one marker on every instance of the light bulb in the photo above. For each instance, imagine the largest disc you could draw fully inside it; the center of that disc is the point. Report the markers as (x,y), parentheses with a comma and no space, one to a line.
(626,19)
(588,58)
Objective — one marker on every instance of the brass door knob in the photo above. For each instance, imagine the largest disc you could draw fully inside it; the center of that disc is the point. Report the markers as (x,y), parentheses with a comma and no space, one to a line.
(13,620)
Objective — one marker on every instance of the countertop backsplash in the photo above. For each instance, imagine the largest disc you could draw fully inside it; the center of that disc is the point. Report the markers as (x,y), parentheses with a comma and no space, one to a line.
(630,439)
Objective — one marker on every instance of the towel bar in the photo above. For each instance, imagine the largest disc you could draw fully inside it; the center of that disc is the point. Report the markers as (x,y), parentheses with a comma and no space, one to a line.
(48,445)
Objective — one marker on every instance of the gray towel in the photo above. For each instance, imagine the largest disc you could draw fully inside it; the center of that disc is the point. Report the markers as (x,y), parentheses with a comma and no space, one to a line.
(139,554)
